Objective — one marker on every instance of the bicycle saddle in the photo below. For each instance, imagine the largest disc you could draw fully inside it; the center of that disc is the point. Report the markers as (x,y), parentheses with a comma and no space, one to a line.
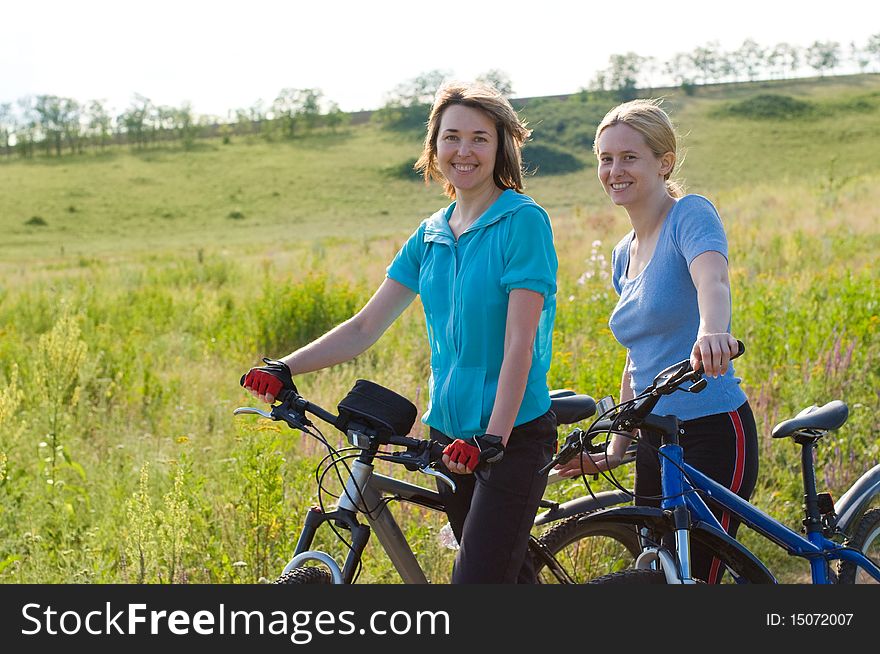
(570,407)
(813,418)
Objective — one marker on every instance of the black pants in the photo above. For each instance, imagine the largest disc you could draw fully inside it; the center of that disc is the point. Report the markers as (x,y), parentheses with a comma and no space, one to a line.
(724,447)
(492,511)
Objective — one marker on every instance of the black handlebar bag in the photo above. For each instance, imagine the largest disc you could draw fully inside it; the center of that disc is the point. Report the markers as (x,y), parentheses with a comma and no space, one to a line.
(375,407)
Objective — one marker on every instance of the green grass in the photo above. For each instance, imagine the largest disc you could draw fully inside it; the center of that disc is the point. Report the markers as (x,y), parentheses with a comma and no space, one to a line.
(160,276)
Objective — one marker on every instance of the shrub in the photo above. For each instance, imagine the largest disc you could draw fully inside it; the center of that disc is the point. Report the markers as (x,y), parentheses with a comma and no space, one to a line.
(293,314)
(549,160)
(770,106)
(404,170)
(403,119)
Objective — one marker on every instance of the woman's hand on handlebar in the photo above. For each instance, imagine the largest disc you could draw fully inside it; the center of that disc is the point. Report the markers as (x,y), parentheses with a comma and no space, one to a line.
(589,464)
(266,382)
(462,457)
(455,466)
(712,353)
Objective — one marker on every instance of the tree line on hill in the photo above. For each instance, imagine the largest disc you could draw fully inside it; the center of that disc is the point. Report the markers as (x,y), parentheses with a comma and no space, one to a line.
(53,125)
(711,64)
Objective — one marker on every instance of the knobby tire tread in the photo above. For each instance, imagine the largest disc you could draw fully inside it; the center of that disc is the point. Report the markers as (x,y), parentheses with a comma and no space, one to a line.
(306,575)
(868,524)
(571,530)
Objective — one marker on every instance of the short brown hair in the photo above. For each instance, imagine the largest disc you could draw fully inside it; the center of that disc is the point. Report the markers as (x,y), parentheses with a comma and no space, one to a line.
(654,124)
(512,133)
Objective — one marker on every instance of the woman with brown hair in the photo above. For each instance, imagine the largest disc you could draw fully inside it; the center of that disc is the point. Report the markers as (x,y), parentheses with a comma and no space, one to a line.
(485,269)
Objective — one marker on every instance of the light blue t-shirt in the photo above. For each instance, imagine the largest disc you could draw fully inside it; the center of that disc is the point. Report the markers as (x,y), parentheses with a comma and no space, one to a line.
(464,287)
(657,317)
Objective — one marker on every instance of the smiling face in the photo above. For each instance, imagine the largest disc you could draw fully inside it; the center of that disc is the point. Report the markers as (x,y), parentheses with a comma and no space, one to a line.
(467,143)
(629,171)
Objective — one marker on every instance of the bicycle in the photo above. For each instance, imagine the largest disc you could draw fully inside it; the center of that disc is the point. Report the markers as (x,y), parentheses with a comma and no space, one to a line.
(569,551)
(684,517)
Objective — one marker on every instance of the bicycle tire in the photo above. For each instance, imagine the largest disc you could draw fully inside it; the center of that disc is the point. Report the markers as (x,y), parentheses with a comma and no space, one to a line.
(306,575)
(586,550)
(641,577)
(866,539)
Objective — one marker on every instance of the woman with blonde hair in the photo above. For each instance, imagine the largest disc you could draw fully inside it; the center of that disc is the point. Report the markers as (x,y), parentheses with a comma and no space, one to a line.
(671,273)
(485,269)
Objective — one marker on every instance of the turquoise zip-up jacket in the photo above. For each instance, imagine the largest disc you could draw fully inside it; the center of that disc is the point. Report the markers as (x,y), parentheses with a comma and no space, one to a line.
(464,287)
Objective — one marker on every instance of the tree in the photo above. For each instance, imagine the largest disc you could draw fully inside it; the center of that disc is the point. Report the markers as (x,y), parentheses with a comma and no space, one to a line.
(248,120)
(681,69)
(58,121)
(705,60)
(335,117)
(72,117)
(499,80)
(727,66)
(407,104)
(873,46)
(784,58)
(419,90)
(599,81)
(28,126)
(99,123)
(310,107)
(7,126)
(623,72)
(164,122)
(621,76)
(285,108)
(135,121)
(185,125)
(859,56)
(823,55)
(749,58)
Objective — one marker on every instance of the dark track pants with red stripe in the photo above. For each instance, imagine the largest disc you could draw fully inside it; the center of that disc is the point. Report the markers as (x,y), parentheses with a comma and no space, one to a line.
(724,447)
(493,509)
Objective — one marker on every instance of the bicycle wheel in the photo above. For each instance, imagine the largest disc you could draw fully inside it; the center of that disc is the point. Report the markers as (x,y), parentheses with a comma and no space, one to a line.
(866,539)
(306,575)
(586,550)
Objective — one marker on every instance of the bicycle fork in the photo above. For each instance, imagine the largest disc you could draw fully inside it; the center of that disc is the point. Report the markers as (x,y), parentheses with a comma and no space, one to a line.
(359,496)
(676,565)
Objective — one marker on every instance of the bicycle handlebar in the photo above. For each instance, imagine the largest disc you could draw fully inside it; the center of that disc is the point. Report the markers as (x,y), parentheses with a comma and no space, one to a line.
(291,407)
(631,414)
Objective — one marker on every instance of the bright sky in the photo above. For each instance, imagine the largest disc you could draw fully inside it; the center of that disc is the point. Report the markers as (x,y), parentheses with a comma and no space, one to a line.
(224,54)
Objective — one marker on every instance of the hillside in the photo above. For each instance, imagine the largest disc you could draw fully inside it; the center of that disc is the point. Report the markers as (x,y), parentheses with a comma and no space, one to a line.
(252,193)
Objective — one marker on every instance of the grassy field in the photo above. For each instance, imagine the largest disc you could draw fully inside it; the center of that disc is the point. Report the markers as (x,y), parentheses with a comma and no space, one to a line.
(136,287)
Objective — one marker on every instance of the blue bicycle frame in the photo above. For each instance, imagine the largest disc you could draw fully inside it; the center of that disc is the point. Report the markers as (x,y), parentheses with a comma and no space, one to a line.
(683,486)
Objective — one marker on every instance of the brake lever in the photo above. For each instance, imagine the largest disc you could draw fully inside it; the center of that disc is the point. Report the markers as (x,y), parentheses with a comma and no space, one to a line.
(278,413)
(420,463)
(433,472)
(251,410)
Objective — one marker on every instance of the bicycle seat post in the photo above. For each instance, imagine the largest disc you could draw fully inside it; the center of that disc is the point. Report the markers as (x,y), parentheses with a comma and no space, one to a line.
(812,515)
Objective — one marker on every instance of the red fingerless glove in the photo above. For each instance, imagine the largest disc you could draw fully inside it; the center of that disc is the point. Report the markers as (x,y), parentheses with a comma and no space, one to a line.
(270,379)
(462,452)
(262,382)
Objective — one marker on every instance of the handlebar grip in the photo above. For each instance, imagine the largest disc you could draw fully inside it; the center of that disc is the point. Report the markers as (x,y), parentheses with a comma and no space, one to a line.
(740,350)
